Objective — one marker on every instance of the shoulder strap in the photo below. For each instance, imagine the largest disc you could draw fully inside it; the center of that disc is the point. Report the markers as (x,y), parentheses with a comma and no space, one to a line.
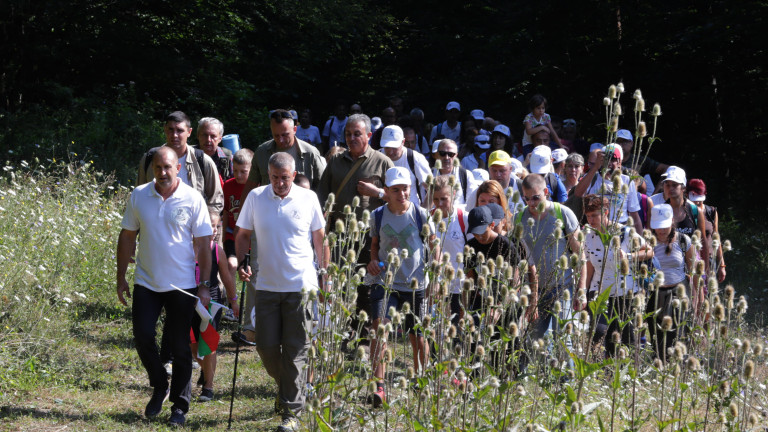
(694,214)
(419,220)
(460,215)
(349,175)
(411,165)
(439,129)
(200,156)
(148,157)
(378,214)
(463,181)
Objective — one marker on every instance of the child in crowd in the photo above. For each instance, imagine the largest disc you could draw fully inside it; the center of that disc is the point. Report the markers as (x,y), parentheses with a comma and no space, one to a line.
(218,269)
(536,121)
(398,225)
(455,237)
(233,190)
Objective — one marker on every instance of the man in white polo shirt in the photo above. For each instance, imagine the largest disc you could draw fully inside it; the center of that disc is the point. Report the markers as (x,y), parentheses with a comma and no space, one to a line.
(282,218)
(172,217)
(392,141)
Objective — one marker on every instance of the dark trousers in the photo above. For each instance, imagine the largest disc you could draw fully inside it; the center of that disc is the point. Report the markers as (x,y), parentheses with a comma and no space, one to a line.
(179,309)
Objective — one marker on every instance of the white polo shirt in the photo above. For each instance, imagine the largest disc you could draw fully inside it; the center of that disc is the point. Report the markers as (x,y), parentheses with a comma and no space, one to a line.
(166,256)
(281,227)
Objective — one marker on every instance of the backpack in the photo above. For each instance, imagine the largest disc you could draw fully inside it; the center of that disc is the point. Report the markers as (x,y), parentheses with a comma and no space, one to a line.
(463,181)
(411,166)
(558,214)
(460,217)
(198,155)
(378,215)
(552,183)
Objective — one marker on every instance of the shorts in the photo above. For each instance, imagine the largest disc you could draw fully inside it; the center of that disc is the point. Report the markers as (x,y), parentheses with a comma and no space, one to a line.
(229,248)
(381,301)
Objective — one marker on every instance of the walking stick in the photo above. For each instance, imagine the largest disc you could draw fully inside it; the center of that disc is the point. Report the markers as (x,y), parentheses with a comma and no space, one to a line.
(237,344)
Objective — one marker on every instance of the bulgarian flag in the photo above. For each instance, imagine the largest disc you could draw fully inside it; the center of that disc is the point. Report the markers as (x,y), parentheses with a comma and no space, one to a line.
(207,334)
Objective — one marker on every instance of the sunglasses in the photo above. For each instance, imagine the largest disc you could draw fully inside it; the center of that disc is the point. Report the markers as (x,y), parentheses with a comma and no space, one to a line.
(532,198)
(446,153)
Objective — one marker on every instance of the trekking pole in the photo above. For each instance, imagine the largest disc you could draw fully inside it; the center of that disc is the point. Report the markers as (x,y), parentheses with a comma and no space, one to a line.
(237,344)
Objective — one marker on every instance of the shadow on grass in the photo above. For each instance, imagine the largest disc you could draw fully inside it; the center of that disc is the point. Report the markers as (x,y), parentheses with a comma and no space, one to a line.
(126,417)
(101,312)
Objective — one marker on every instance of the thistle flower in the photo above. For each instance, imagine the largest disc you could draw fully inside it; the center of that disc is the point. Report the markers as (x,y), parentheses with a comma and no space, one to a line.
(524,301)
(437,216)
(642,129)
(637,95)
(410,373)
(727,246)
(617,109)
(733,409)
(606,101)
(620,87)
(530,220)
(480,351)
(656,110)
(693,364)
(614,124)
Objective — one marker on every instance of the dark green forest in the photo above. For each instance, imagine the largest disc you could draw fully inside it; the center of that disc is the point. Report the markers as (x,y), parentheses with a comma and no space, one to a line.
(94,78)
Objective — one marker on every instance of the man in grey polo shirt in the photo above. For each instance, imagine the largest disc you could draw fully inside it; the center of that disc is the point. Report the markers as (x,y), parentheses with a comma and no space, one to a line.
(281,217)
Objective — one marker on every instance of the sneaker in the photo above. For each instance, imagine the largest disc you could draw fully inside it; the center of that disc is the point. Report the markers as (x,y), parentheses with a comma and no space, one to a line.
(247,337)
(168,368)
(310,391)
(178,418)
(155,404)
(206,395)
(377,398)
(201,380)
(228,316)
(289,424)
(278,405)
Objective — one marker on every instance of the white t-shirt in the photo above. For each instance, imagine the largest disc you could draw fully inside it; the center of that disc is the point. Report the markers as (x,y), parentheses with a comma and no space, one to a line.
(334,130)
(625,204)
(469,162)
(183,172)
(421,166)
(472,185)
(446,131)
(281,227)
(310,135)
(612,279)
(166,258)
(454,242)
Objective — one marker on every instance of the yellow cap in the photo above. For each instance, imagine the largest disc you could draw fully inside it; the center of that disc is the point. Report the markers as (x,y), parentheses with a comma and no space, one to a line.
(499,157)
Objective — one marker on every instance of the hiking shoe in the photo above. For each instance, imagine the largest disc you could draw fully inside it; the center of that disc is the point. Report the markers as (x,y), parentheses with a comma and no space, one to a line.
(289,424)
(206,395)
(201,380)
(168,368)
(228,316)
(178,418)
(378,397)
(155,404)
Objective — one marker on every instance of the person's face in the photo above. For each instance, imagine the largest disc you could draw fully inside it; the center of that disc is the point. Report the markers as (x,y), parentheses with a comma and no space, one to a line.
(388,117)
(672,189)
(283,133)
(209,138)
(539,111)
(442,200)
(447,153)
(569,131)
(305,119)
(176,135)
(541,138)
(340,111)
(487,198)
(597,219)
(281,180)
(534,196)
(486,236)
(165,170)
(356,138)
(573,170)
(214,226)
(498,141)
(241,172)
(398,195)
(394,153)
(662,233)
(500,173)
(410,140)
(452,115)
(626,146)
(614,163)
(356,109)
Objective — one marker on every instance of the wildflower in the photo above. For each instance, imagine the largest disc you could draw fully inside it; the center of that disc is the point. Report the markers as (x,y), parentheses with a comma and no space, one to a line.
(620,87)
(617,109)
(438,164)
(749,369)
(480,351)
(666,323)
(640,107)
(513,330)
(642,130)
(410,372)
(437,216)
(727,246)
(656,111)
(359,352)
(583,317)
(612,92)
(524,301)
(606,101)
(693,364)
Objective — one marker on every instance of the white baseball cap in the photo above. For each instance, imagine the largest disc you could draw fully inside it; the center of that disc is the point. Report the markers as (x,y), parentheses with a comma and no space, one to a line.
(502,130)
(541,157)
(661,216)
(480,174)
(483,141)
(477,114)
(453,105)
(559,155)
(516,165)
(696,198)
(676,174)
(392,136)
(397,176)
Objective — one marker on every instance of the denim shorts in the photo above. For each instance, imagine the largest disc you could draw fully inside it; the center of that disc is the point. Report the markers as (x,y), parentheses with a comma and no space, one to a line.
(382,300)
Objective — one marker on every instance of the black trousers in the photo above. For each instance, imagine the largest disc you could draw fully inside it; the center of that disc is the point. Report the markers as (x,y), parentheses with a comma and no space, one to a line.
(179,309)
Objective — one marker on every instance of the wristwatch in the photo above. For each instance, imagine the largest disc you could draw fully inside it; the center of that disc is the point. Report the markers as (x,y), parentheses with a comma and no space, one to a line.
(381,194)
(205,283)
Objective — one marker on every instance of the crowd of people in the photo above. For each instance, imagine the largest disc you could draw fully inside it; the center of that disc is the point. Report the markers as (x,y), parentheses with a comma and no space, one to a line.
(549,197)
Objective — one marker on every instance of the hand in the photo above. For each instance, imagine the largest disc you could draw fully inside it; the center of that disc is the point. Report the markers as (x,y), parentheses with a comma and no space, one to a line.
(721,274)
(244,273)
(599,159)
(532,313)
(367,189)
(235,309)
(123,290)
(204,295)
(373,268)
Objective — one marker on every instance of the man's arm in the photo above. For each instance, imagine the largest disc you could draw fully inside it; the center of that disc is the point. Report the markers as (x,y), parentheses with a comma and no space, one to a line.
(583,185)
(203,247)
(126,244)
(318,168)
(323,253)
(373,264)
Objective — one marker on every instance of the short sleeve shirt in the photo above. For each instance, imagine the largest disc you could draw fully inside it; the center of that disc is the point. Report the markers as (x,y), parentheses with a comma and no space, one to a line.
(233,191)
(542,247)
(599,258)
(623,203)
(529,118)
(310,135)
(282,228)
(165,259)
